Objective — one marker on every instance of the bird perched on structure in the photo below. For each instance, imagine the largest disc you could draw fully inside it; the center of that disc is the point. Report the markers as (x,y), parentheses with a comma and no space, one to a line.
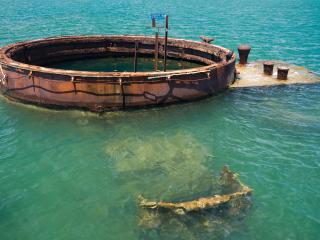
(206,39)
(229,55)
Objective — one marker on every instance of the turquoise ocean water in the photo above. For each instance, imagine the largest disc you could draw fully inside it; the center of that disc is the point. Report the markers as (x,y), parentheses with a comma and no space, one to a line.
(76,175)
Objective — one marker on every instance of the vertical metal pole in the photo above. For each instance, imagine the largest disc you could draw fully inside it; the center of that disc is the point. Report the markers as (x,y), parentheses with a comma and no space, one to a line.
(153,22)
(166,44)
(136,44)
(156,51)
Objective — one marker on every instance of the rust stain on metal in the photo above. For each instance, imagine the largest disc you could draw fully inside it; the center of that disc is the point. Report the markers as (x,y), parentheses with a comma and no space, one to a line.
(23,77)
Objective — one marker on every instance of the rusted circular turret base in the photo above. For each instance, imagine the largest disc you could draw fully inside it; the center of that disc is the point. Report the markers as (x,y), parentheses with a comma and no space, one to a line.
(24,77)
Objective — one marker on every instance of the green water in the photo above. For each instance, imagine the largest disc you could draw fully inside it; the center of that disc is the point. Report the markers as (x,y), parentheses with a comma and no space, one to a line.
(121,64)
(76,175)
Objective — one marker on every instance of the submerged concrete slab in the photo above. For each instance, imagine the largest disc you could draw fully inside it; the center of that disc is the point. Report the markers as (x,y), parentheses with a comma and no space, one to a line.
(251,75)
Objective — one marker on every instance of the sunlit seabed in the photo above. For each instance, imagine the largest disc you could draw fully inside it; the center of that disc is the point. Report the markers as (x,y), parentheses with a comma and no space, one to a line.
(65,175)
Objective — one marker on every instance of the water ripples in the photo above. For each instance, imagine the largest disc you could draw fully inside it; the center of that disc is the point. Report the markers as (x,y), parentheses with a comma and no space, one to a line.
(60,178)
(7,136)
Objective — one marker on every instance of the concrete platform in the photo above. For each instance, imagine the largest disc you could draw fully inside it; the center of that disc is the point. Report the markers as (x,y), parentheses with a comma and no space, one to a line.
(251,75)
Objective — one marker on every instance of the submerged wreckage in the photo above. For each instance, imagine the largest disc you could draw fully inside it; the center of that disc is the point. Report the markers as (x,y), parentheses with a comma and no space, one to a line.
(234,196)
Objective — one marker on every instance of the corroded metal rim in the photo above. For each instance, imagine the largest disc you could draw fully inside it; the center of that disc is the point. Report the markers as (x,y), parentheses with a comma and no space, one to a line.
(9,50)
(21,63)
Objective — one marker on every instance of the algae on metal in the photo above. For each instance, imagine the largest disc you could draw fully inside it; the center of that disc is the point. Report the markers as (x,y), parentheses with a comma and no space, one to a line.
(229,182)
(206,215)
(173,168)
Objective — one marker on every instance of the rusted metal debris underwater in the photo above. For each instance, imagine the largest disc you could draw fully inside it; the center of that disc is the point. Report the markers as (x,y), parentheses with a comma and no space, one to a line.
(234,198)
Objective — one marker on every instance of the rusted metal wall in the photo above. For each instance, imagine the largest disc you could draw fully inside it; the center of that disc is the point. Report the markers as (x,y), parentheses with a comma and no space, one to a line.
(23,78)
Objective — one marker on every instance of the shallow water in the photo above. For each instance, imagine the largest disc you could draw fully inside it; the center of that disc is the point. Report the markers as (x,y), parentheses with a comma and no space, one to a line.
(76,175)
(121,64)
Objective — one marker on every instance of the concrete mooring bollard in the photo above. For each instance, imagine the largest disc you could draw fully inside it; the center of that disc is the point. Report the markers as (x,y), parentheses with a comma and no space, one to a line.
(244,51)
(268,68)
(283,73)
